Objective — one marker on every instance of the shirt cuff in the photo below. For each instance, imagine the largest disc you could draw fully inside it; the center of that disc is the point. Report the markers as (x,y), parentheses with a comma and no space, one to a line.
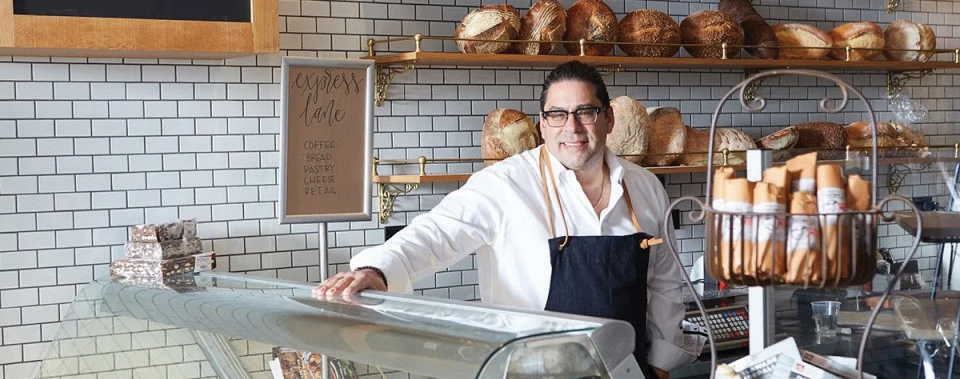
(667,356)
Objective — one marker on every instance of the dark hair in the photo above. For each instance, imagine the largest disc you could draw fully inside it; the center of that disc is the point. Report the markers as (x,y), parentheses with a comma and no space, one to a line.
(576,70)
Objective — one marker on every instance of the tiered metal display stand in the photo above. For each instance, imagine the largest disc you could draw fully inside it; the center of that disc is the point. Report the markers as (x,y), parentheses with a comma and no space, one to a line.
(728,260)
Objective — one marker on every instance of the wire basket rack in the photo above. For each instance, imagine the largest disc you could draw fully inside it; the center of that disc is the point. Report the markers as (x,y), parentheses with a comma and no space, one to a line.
(825,250)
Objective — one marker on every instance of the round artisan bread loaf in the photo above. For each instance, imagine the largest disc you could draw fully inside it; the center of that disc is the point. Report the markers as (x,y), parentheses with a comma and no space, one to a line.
(821,135)
(592,20)
(802,41)
(733,140)
(708,27)
(865,39)
(658,32)
(507,132)
(782,139)
(860,134)
(545,22)
(759,37)
(499,22)
(631,125)
(908,41)
(667,136)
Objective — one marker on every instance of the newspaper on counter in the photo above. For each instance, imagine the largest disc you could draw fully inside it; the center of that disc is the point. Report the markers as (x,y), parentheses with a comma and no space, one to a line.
(784,360)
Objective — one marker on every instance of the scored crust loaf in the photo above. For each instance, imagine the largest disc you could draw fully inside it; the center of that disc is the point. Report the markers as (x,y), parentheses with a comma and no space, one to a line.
(631,125)
(545,22)
(725,138)
(709,27)
(506,132)
(908,41)
(651,27)
(667,136)
(592,20)
(801,41)
(782,139)
(866,39)
(490,22)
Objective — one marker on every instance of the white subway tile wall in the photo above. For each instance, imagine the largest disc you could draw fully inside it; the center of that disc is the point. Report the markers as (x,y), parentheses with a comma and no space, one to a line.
(90,146)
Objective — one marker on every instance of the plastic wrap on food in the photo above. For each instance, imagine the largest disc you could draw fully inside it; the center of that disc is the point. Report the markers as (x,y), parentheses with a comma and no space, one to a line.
(164,232)
(178,282)
(163,250)
(141,268)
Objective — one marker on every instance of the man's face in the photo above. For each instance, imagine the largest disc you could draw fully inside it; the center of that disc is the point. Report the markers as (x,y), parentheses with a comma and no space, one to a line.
(576,145)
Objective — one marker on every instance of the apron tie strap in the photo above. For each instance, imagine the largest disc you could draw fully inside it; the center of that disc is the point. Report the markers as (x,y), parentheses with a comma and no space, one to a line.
(646,243)
(546,198)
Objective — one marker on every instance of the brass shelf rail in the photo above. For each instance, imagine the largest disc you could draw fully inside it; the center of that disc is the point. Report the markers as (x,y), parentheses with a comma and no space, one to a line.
(390,64)
(389,187)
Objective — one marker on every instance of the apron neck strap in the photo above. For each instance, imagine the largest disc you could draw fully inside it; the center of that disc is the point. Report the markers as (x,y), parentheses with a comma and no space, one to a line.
(547,168)
(544,161)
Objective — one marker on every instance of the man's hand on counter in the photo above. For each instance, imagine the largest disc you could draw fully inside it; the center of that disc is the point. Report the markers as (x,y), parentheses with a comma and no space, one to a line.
(661,374)
(347,283)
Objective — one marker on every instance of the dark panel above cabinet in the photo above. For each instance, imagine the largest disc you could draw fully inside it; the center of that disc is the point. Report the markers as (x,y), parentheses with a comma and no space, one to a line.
(183,10)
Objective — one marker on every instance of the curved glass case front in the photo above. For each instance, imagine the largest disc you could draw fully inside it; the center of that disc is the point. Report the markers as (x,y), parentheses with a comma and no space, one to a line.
(225,325)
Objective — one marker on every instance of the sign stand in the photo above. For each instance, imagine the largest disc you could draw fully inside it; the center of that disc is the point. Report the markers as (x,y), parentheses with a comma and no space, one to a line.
(326,147)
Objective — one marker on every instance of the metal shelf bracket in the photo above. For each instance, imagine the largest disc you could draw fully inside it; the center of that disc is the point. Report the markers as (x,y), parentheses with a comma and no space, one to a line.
(897,79)
(385,75)
(388,192)
(892,5)
(750,92)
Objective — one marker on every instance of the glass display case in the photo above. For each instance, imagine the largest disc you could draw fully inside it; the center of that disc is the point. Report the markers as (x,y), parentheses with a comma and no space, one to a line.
(225,325)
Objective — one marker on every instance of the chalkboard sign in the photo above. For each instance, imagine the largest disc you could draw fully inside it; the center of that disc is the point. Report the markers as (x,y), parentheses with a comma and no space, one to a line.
(326,112)
(185,10)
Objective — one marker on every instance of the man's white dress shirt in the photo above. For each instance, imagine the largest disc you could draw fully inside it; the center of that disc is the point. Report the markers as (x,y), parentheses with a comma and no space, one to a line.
(500,214)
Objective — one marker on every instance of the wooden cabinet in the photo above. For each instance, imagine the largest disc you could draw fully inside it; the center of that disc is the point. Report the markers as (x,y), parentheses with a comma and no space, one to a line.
(59,35)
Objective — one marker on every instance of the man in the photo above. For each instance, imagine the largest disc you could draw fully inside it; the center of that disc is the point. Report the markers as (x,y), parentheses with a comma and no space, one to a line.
(559,227)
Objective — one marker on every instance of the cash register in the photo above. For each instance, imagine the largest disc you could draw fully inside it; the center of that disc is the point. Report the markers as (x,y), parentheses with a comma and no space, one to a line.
(726,310)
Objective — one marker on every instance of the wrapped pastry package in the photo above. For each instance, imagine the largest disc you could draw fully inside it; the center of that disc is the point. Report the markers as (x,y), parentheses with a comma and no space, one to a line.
(163,250)
(141,268)
(163,232)
(803,172)
(720,178)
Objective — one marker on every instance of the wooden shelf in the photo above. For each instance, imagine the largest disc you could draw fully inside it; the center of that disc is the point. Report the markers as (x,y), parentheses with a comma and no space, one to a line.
(459,177)
(520,60)
(28,35)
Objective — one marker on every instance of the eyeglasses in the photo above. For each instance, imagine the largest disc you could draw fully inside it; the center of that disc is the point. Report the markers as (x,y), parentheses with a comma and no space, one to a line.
(585,116)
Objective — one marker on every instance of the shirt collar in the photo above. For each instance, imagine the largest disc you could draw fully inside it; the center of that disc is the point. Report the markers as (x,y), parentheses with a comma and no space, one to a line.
(613,163)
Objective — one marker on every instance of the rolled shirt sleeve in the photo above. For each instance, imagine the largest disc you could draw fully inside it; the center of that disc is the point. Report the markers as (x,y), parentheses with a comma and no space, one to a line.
(463,221)
(665,310)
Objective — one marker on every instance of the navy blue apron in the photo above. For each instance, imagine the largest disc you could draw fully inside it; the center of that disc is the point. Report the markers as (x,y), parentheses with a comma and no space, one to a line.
(601,276)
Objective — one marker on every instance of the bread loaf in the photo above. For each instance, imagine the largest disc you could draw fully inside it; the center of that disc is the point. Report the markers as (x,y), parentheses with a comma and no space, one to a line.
(907,136)
(731,139)
(712,28)
(490,22)
(506,132)
(801,41)
(866,39)
(905,40)
(651,27)
(860,134)
(592,20)
(667,137)
(631,126)
(782,139)
(821,135)
(545,22)
(757,34)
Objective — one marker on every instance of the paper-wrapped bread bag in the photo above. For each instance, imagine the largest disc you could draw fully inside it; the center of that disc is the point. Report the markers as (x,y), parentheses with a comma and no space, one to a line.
(737,230)
(831,199)
(720,261)
(803,240)
(858,200)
